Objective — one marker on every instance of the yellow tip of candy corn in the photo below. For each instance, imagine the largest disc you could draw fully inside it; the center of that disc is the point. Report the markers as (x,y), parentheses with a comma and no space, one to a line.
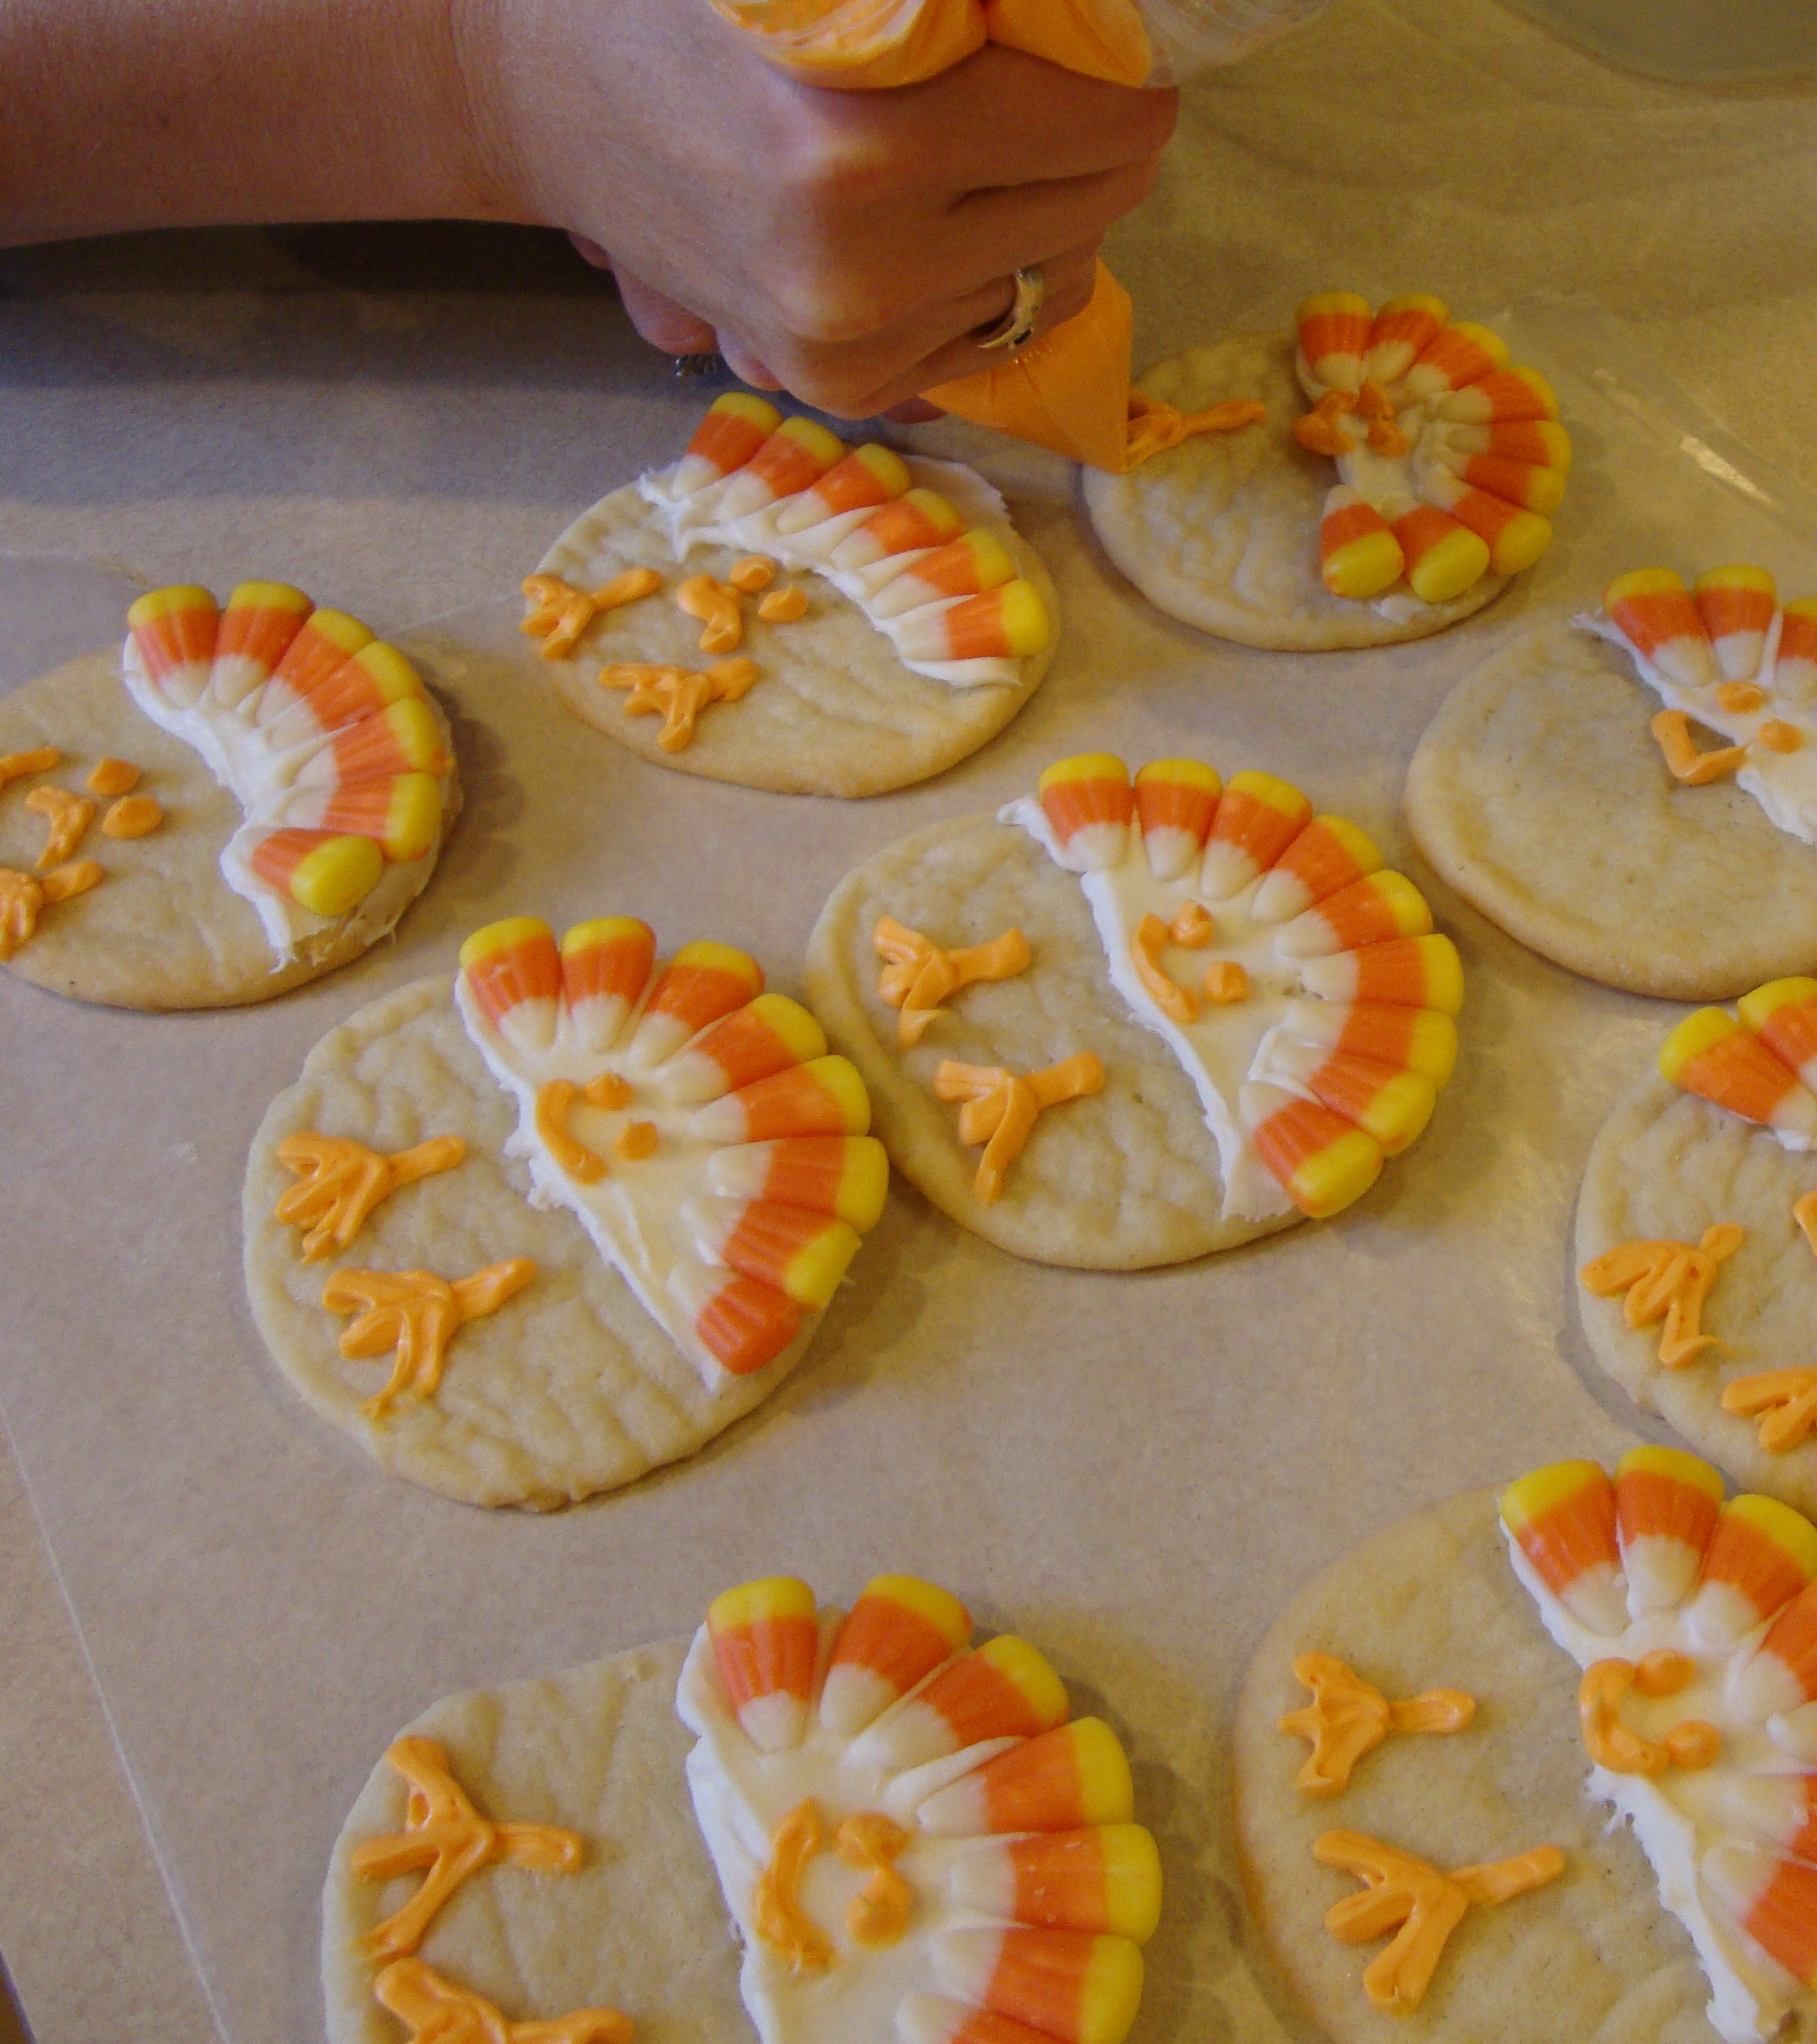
(333,878)
(770,1597)
(1398,1111)
(1417,302)
(1789,1531)
(1111,1991)
(1323,305)
(741,404)
(1106,1791)
(1674,1463)
(940,1608)
(1187,773)
(720,958)
(1642,581)
(1364,566)
(1271,792)
(800,1035)
(886,465)
(1529,1498)
(1330,1181)
(602,929)
(340,630)
(1132,1882)
(1082,767)
(1486,338)
(826,447)
(1022,1664)
(1696,1034)
(840,1078)
(160,603)
(269,596)
(1026,627)
(500,936)
(1447,569)
(392,675)
(1755,1008)
(811,1276)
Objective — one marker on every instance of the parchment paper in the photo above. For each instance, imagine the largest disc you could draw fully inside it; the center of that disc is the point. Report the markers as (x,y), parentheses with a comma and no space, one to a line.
(1136,1472)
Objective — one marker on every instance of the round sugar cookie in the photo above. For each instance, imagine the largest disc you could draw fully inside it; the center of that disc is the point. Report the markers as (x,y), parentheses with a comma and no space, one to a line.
(1222,531)
(163,930)
(833,711)
(570,1387)
(1539,793)
(1665,1167)
(1433,1602)
(637,1926)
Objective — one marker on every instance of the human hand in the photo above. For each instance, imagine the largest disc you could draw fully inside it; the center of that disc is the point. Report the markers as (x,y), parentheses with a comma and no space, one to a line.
(843,245)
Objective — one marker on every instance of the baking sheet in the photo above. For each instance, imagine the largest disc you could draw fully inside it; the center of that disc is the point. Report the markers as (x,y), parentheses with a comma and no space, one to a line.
(1133,1471)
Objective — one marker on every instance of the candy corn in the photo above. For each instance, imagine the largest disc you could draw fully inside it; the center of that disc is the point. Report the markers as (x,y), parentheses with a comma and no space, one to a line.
(325,642)
(1322,1161)
(1004,1689)
(900,1631)
(1403,328)
(700,983)
(1175,800)
(1385,906)
(1070,1986)
(1515,538)
(1562,1519)
(1390,1104)
(512,974)
(1422,1040)
(932,2019)
(798,453)
(1359,555)
(800,1254)
(1407,971)
(1107,1879)
(970,566)
(1327,855)
(1258,817)
(1076,1775)
(1714,1056)
(402,813)
(605,965)
(1795,666)
(1459,354)
(1780,1810)
(765,1035)
(1443,557)
(766,1642)
(1509,394)
(367,682)
(326,872)
(743,1323)
(734,427)
(1534,443)
(1773,1899)
(1088,802)
(824,1097)
(868,476)
(843,1175)
(1334,337)
(173,630)
(1652,610)
(1007,623)
(1782,1674)
(256,628)
(1783,1014)
(917,518)
(404,738)
(1667,1504)
(1760,1556)
(1531,488)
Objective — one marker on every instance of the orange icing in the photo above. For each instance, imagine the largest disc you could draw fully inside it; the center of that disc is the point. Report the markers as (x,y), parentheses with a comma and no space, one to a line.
(1318,430)
(21,901)
(1672,729)
(342,1182)
(677,694)
(67,817)
(437,2010)
(113,777)
(1420,1905)
(418,1314)
(1663,1672)
(637,1141)
(1150,938)
(716,605)
(563,612)
(132,816)
(1348,1718)
(1156,426)
(1783,1401)
(879,1912)
(1740,696)
(1778,737)
(39,760)
(1192,930)
(777,1910)
(553,1103)
(784,606)
(1000,1107)
(447,1838)
(1667,1281)
(755,572)
(1609,1742)
(76,878)
(607,1090)
(919,976)
(1225,984)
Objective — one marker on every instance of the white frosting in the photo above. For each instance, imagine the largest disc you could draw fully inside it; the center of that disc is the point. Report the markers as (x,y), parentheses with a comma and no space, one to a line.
(1226,1046)
(633,1214)
(740,1795)
(262,780)
(1674,1814)
(1784,783)
(691,522)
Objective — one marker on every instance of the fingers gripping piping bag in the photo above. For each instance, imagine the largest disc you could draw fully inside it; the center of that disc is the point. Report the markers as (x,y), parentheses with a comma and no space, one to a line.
(1071,390)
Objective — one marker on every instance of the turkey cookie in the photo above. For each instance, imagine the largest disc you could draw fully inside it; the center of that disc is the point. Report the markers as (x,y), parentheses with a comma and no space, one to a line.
(1422,478)
(1425,1843)
(528,1242)
(1697,1278)
(243,801)
(778,611)
(1554,795)
(1172,1015)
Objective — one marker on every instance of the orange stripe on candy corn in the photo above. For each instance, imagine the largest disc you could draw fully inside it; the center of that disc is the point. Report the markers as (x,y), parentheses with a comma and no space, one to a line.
(1783,1014)
(1176,802)
(1385,906)
(766,1035)
(825,1097)
(1413,972)
(1076,1774)
(1328,854)
(1563,1519)
(843,1175)
(1321,1161)
(1103,1879)
(1334,331)
(766,1642)
(1088,801)
(1509,394)
(1667,1504)
(1258,817)
(899,1631)
(512,964)
(1069,1985)
(744,1324)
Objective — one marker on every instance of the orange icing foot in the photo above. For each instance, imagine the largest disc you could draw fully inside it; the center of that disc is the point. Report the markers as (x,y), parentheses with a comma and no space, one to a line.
(66,816)
(343,1181)
(1001,1108)
(919,977)
(1667,1281)
(1784,1401)
(562,614)
(448,1839)
(1348,1718)
(676,694)
(418,1314)
(436,2010)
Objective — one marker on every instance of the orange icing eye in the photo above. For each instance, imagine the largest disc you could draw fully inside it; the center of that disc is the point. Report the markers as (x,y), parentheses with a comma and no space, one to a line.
(106,777)
(132,816)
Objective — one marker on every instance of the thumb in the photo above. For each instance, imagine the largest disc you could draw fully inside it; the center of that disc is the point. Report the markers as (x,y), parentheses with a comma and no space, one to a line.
(661,320)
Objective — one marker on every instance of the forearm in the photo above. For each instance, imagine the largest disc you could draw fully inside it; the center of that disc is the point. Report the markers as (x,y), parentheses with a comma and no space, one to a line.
(122,113)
